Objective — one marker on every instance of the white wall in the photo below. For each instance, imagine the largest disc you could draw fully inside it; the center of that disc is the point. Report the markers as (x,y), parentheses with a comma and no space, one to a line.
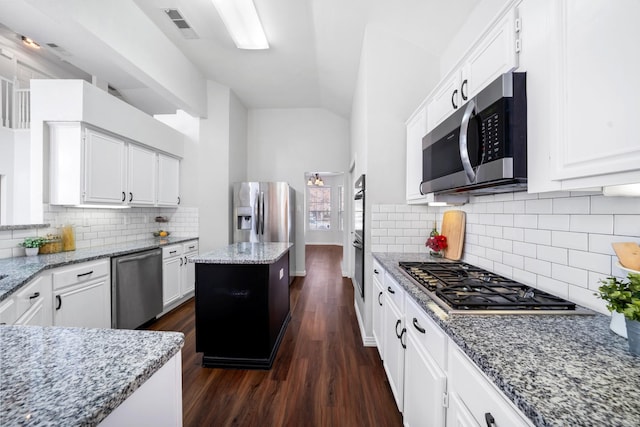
(6,171)
(237,147)
(283,144)
(333,236)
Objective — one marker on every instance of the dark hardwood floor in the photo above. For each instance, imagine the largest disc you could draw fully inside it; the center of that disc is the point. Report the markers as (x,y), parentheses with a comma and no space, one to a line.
(322,375)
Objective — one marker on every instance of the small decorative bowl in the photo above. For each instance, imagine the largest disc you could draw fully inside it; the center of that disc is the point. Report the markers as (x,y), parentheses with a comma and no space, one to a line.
(157,234)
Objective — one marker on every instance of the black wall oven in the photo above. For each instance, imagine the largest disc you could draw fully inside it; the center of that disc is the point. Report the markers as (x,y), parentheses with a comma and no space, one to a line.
(358,239)
(482,147)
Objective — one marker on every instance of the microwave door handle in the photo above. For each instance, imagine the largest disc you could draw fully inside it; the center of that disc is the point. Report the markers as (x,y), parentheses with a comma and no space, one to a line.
(464,152)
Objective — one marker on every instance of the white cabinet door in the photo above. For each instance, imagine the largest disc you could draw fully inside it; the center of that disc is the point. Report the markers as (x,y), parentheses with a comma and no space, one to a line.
(104,168)
(168,181)
(35,316)
(171,279)
(416,130)
(394,338)
(444,101)
(495,55)
(33,302)
(599,64)
(424,387)
(87,305)
(378,308)
(142,176)
(188,284)
(458,415)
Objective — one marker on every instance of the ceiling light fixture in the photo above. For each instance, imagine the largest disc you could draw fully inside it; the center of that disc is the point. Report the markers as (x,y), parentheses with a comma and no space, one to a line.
(28,42)
(242,22)
(315,180)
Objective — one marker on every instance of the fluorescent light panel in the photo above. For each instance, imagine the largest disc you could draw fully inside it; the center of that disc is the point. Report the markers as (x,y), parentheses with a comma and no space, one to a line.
(242,22)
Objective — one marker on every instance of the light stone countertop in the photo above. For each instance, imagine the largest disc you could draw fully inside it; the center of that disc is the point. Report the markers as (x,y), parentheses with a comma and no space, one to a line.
(20,270)
(51,376)
(559,370)
(244,253)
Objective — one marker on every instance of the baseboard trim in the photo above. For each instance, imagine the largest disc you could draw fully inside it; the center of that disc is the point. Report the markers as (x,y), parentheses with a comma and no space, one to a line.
(300,273)
(367,341)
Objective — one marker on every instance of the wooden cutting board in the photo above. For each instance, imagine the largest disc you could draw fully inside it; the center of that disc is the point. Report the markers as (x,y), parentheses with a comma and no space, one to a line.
(628,254)
(453,229)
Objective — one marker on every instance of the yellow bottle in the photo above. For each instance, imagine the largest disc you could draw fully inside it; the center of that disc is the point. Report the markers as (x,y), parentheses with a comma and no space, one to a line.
(68,238)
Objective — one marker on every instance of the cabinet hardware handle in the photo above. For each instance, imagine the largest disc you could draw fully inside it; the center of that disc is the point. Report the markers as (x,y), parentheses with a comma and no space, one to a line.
(380,295)
(59,302)
(130,196)
(178,199)
(85,274)
(35,295)
(391,291)
(186,260)
(181,261)
(3,323)
(398,324)
(172,252)
(124,196)
(417,326)
(376,271)
(462,88)
(404,331)
(453,102)
(191,247)
(491,422)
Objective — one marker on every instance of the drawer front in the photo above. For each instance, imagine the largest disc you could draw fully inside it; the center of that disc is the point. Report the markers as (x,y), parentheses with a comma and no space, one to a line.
(378,271)
(33,293)
(394,292)
(479,395)
(8,312)
(171,251)
(426,332)
(190,247)
(79,273)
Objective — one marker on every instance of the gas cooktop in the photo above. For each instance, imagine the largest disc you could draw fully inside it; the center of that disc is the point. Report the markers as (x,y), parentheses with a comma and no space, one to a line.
(462,288)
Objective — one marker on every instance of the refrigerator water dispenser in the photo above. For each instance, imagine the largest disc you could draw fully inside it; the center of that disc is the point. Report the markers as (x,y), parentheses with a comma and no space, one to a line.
(244,217)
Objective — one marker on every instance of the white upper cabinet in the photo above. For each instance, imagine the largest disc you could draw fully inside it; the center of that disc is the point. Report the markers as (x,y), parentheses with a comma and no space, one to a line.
(142,176)
(104,168)
(494,53)
(168,181)
(88,166)
(416,130)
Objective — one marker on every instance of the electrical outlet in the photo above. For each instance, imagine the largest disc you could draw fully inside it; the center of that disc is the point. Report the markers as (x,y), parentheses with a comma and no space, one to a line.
(281,273)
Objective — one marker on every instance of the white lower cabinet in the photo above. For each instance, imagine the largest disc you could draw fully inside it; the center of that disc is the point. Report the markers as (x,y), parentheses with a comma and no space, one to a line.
(31,305)
(82,295)
(178,275)
(458,415)
(378,306)
(394,339)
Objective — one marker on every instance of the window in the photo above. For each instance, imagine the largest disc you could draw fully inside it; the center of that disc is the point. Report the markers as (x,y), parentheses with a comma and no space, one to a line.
(341,207)
(319,208)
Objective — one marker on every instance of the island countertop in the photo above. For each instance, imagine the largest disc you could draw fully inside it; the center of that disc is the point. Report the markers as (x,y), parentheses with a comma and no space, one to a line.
(562,370)
(52,376)
(244,253)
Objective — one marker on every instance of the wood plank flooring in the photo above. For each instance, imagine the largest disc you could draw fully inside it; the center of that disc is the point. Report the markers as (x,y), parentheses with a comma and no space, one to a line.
(322,375)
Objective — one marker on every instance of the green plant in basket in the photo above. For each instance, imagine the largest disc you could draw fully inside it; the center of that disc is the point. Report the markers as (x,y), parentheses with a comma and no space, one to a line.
(622,296)
(33,242)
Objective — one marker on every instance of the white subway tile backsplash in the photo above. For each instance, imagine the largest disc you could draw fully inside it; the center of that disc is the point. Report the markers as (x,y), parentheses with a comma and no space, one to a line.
(539,206)
(525,249)
(503,245)
(486,219)
(589,261)
(485,241)
(602,224)
(537,266)
(587,298)
(502,269)
(513,260)
(570,275)
(523,195)
(525,277)
(504,220)
(379,216)
(553,286)
(601,243)
(554,222)
(387,208)
(554,195)
(627,224)
(513,233)
(553,254)
(572,205)
(514,207)
(525,221)
(615,205)
(494,231)
(495,207)
(540,237)
(570,240)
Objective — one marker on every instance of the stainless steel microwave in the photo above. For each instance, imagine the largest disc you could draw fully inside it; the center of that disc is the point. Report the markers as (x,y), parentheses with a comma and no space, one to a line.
(482,147)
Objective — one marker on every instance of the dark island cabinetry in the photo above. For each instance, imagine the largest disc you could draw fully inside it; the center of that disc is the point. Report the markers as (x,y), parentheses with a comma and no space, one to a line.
(242,310)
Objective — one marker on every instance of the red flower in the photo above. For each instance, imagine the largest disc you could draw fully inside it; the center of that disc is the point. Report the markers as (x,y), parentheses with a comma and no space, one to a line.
(437,243)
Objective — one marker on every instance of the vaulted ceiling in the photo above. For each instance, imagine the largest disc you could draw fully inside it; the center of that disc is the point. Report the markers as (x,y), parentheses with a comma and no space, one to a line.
(313,58)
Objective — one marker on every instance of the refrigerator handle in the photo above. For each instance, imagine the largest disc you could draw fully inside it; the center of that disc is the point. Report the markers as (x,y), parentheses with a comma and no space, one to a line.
(262,213)
(257,213)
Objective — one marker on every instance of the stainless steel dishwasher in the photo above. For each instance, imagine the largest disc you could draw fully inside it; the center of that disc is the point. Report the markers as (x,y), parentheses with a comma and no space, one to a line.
(136,288)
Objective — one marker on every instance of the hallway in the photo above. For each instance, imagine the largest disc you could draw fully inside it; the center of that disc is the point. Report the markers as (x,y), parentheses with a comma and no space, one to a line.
(322,375)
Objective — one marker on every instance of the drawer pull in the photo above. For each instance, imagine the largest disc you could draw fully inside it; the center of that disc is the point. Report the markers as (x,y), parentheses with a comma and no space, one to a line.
(376,271)
(85,274)
(192,247)
(35,295)
(181,261)
(379,296)
(172,252)
(59,302)
(391,291)
(398,324)
(491,422)
(417,326)
(404,331)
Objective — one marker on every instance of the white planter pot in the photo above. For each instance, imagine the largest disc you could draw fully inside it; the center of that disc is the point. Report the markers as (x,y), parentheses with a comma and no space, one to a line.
(618,324)
(31,251)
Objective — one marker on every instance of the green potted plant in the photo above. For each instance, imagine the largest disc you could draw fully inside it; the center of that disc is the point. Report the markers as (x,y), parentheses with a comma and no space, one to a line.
(623,296)
(31,245)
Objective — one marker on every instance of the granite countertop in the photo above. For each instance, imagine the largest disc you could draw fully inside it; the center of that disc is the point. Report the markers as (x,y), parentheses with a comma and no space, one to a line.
(244,253)
(20,270)
(52,376)
(560,370)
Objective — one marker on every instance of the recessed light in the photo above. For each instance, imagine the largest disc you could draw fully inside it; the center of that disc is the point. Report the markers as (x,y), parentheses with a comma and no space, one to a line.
(242,22)
(28,42)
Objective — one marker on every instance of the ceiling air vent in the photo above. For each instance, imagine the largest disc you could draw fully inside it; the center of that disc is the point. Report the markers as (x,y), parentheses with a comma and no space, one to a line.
(177,19)
(59,50)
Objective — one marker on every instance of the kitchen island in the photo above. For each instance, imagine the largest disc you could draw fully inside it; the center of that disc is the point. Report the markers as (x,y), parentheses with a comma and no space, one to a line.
(52,376)
(558,370)
(242,304)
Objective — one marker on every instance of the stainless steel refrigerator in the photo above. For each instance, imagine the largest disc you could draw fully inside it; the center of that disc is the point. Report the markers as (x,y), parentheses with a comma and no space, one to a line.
(264,212)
